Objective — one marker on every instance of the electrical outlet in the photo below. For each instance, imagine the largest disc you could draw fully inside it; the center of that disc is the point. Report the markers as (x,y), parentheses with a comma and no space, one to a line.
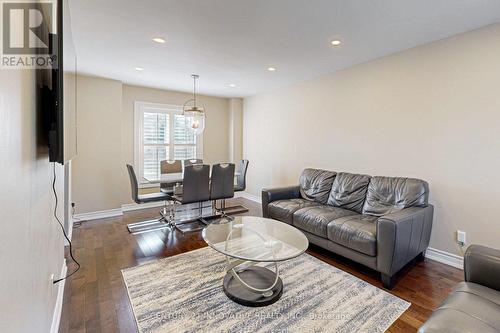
(461,237)
(52,278)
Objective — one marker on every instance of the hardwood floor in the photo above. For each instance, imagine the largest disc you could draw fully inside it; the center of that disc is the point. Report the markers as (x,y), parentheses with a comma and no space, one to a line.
(95,299)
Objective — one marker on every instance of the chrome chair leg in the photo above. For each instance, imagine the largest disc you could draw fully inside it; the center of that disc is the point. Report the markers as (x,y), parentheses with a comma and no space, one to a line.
(200,219)
(238,209)
(164,212)
(171,213)
(222,210)
(214,207)
(151,225)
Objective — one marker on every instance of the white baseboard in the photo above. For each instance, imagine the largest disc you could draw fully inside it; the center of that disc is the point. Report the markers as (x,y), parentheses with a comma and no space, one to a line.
(445,257)
(116,211)
(56,317)
(248,196)
(134,206)
(99,214)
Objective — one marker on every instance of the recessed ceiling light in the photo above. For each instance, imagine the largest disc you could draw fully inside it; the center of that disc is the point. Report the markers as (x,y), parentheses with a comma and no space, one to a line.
(336,42)
(139,69)
(271,69)
(159,40)
(232,85)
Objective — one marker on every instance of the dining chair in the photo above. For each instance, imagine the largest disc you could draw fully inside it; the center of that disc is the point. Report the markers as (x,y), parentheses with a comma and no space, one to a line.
(149,225)
(193,161)
(195,189)
(240,186)
(222,184)
(169,167)
(241,177)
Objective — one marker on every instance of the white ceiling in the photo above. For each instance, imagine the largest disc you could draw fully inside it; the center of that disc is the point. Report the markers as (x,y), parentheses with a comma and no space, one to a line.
(234,41)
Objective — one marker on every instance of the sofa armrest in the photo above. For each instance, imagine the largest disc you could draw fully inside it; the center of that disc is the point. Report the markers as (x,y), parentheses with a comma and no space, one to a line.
(401,236)
(482,266)
(270,195)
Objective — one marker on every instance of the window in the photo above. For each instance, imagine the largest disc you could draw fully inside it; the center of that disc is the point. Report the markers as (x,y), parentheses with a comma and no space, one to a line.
(161,133)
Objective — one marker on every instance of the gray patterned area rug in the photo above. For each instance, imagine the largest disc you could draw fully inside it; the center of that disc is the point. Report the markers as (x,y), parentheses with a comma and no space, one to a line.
(184,294)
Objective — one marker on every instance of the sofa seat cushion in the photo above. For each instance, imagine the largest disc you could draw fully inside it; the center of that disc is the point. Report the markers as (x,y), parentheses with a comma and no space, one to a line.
(357,232)
(283,210)
(469,308)
(316,218)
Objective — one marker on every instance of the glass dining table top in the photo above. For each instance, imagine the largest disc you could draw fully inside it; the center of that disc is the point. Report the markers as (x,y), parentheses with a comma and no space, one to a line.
(255,238)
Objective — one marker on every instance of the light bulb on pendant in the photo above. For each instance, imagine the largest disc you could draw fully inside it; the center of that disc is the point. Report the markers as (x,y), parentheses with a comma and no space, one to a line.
(194,114)
(195,124)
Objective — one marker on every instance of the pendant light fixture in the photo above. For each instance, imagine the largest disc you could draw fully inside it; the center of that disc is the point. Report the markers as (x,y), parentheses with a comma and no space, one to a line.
(193,113)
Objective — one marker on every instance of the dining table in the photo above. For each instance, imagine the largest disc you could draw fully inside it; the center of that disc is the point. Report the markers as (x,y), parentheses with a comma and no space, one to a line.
(170,178)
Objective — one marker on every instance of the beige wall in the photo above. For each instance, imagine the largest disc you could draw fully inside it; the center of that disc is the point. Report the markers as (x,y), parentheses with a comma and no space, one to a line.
(432,112)
(97,173)
(31,247)
(235,129)
(106,138)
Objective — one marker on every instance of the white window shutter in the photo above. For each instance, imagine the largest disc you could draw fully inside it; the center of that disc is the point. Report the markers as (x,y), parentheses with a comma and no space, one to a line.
(162,140)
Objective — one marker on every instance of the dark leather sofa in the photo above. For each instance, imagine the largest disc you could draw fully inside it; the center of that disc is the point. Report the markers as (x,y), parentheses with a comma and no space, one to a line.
(380,222)
(474,305)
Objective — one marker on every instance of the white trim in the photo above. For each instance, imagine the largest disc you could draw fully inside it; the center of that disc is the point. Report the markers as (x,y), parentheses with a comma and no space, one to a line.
(56,317)
(139,107)
(133,206)
(102,214)
(159,106)
(68,209)
(69,232)
(248,196)
(444,257)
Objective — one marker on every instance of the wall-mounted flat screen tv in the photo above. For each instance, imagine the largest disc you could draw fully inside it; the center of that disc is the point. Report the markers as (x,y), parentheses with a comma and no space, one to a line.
(56,95)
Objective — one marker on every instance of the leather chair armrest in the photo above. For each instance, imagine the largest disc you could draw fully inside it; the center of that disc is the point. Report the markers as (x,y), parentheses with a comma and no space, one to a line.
(401,236)
(270,195)
(482,266)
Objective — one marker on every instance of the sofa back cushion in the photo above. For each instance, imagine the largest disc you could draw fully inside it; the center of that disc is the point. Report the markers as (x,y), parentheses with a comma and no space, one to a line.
(389,194)
(349,191)
(316,184)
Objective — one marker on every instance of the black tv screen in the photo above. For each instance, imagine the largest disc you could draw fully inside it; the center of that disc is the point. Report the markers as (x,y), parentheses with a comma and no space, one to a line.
(56,96)
(56,131)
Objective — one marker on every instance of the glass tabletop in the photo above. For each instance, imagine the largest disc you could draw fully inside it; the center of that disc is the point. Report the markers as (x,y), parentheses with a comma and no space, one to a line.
(255,239)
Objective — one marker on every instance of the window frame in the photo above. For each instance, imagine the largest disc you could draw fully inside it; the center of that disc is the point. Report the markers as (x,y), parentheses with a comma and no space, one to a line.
(139,109)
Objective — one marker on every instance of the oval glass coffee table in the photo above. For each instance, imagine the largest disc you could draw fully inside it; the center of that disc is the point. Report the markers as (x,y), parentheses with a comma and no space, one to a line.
(247,241)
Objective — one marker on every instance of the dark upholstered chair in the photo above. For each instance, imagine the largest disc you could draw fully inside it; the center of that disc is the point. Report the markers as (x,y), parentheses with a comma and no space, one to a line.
(241,177)
(192,162)
(240,186)
(169,167)
(474,305)
(150,225)
(195,189)
(381,222)
(222,184)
